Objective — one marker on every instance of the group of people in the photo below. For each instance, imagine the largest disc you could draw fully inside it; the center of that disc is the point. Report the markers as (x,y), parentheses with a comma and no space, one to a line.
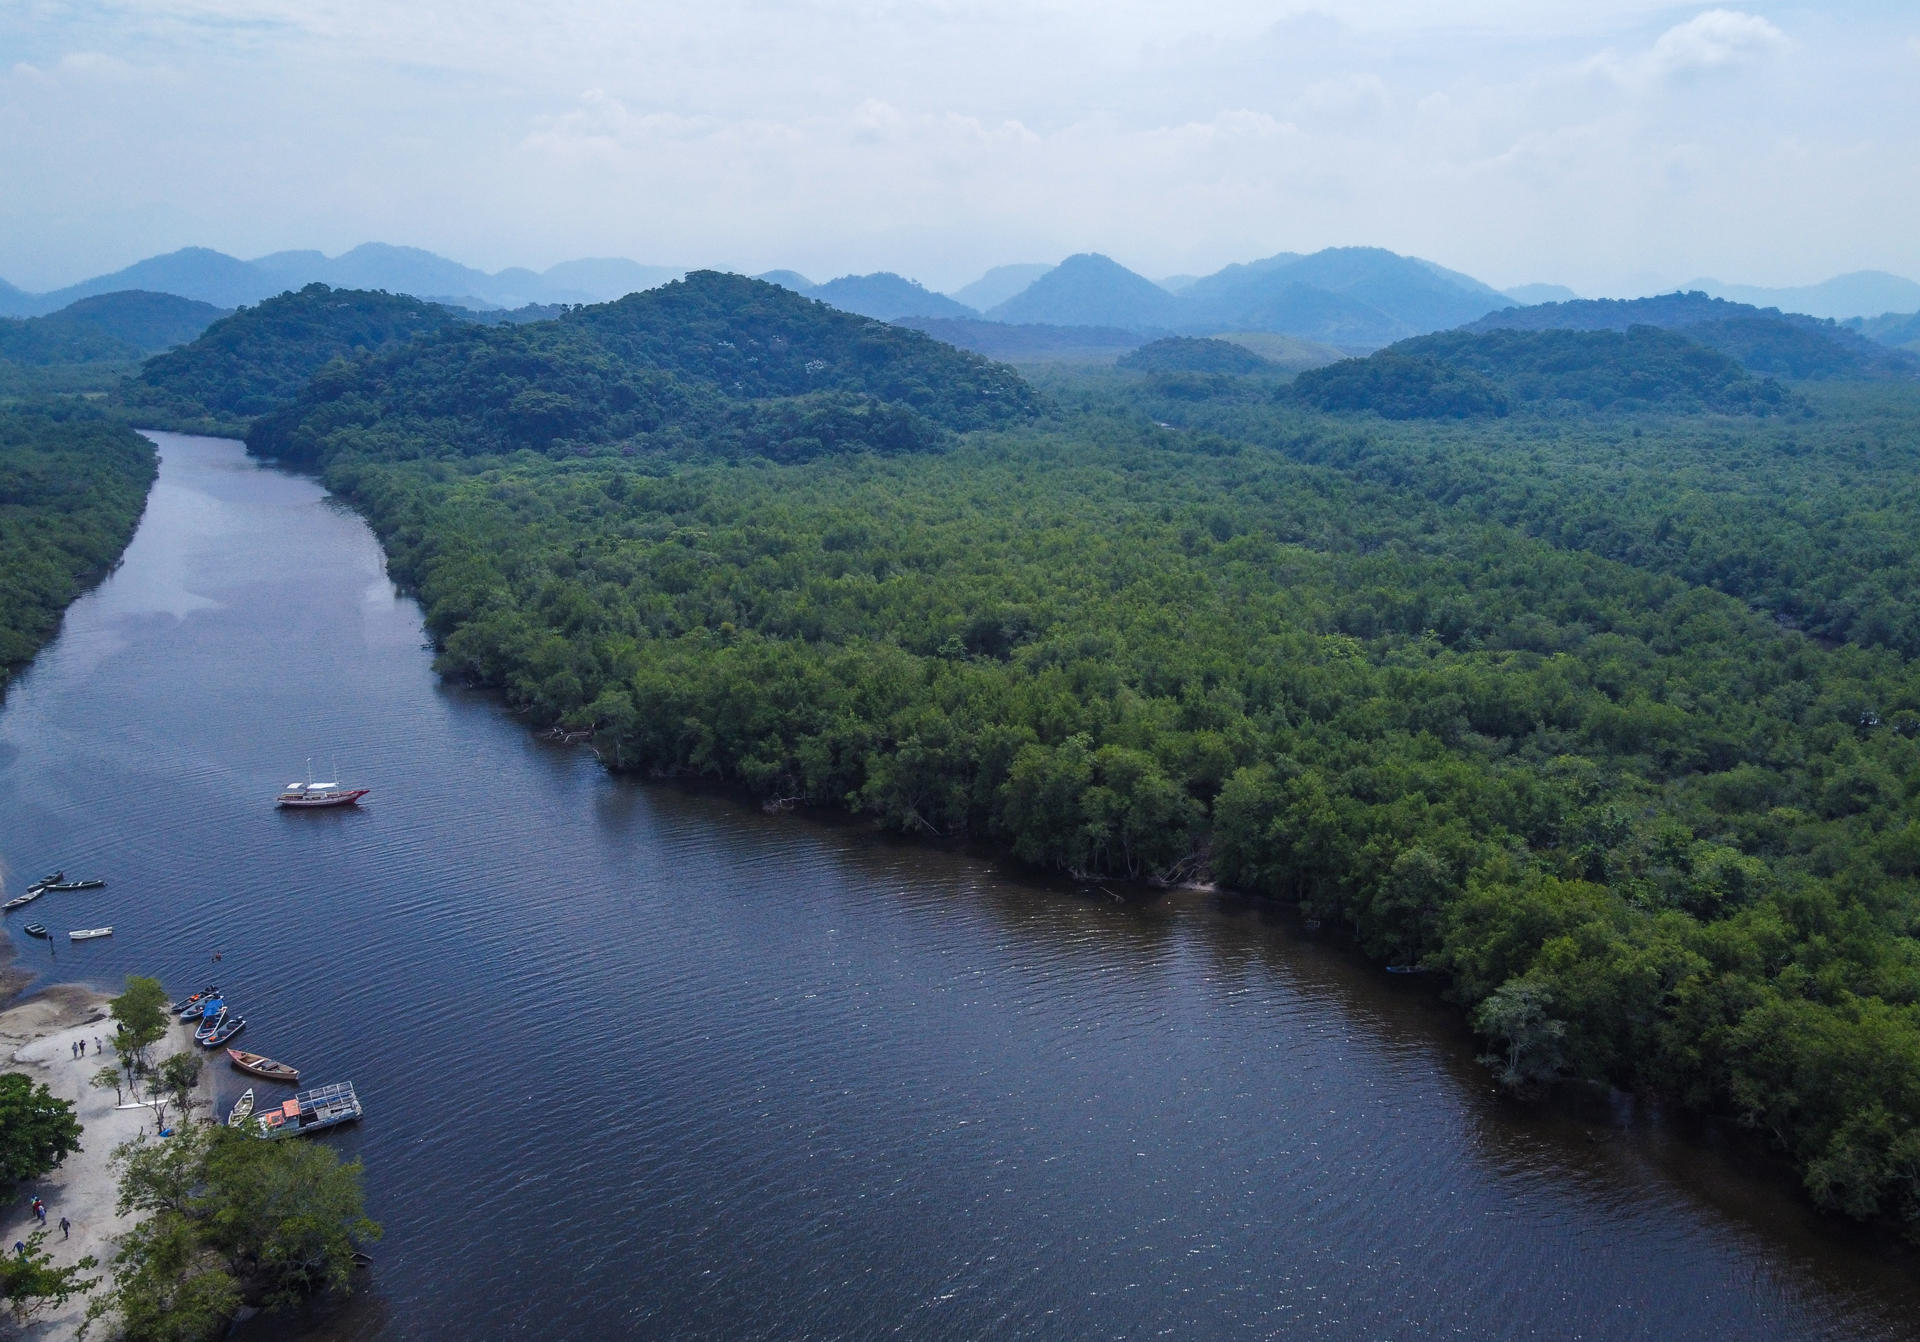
(80,1047)
(40,1215)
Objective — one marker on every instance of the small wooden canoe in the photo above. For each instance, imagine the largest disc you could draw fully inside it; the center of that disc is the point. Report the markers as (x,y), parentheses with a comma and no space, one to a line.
(75,885)
(242,1107)
(34,930)
(21,901)
(256,1064)
(224,1030)
(89,933)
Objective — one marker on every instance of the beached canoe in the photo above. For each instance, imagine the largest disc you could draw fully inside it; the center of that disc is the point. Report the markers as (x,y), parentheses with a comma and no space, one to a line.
(34,930)
(89,933)
(224,1030)
(242,1107)
(255,1064)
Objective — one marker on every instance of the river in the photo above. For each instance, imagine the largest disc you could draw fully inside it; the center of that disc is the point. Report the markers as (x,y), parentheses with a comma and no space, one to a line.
(643,1062)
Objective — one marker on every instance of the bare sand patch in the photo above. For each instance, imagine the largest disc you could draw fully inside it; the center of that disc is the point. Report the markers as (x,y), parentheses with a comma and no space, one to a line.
(37,1037)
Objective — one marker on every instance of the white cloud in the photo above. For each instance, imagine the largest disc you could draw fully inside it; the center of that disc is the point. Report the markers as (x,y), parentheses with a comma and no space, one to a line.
(1716,40)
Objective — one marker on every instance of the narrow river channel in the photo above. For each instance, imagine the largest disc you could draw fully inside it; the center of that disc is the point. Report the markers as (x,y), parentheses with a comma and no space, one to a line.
(639,1062)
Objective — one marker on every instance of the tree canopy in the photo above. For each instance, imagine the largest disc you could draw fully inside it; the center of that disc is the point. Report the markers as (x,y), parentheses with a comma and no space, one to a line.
(72,487)
(37,1129)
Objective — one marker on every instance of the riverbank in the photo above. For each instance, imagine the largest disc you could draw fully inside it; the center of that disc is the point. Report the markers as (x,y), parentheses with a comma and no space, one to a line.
(37,1037)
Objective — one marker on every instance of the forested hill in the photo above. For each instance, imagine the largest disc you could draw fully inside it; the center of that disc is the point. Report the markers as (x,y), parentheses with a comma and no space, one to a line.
(72,487)
(259,358)
(1461,374)
(713,364)
(1764,340)
(107,328)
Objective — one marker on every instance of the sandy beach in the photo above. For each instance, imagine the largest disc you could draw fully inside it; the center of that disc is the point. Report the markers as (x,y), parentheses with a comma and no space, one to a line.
(37,1037)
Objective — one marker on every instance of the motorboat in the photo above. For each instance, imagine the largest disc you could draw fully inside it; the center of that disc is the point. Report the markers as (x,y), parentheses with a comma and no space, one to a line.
(210,1021)
(194,1003)
(223,1030)
(90,933)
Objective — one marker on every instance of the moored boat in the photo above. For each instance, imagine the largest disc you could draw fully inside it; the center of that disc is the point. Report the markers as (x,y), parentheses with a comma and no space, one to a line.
(242,1109)
(310,1111)
(307,795)
(46,881)
(34,930)
(91,883)
(193,1004)
(89,933)
(21,901)
(196,1006)
(223,1031)
(258,1065)
(214,1017)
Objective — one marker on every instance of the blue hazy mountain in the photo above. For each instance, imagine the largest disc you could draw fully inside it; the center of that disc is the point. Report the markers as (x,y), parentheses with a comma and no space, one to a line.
(228,282)
(607,277)
(1352,297)
(1863,293)
(882,295)
(887,297)
(1527,295)
(788,279)
(1089,289)
(119,327)
(1000,284)
(1901,329)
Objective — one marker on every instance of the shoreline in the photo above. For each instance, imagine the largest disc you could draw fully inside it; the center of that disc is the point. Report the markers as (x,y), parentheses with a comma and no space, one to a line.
(84,1188)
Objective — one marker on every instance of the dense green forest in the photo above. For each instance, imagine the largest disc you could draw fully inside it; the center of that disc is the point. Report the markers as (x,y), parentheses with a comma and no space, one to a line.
(1465,687)
(1465,374)
(1809,517)
(72,487)
(1192,354)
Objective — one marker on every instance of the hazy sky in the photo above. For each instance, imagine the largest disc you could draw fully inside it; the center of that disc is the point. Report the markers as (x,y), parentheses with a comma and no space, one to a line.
(1613,145)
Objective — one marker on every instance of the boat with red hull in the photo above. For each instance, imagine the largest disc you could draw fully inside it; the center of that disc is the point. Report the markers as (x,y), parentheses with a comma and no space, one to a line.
(302,796)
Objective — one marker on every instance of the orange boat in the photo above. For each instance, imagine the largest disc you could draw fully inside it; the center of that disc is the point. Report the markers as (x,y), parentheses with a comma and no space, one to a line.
(255,1064)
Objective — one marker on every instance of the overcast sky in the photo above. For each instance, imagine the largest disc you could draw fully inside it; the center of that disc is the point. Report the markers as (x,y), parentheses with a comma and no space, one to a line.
(1613,145)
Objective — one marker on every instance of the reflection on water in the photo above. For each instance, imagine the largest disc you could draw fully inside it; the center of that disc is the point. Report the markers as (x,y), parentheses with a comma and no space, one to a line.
(644,1061)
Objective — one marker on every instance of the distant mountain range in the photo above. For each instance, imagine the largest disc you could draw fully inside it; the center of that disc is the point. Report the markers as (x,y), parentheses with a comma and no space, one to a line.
(1864,293)
(1355,298)
(1351,299)
(228,282)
